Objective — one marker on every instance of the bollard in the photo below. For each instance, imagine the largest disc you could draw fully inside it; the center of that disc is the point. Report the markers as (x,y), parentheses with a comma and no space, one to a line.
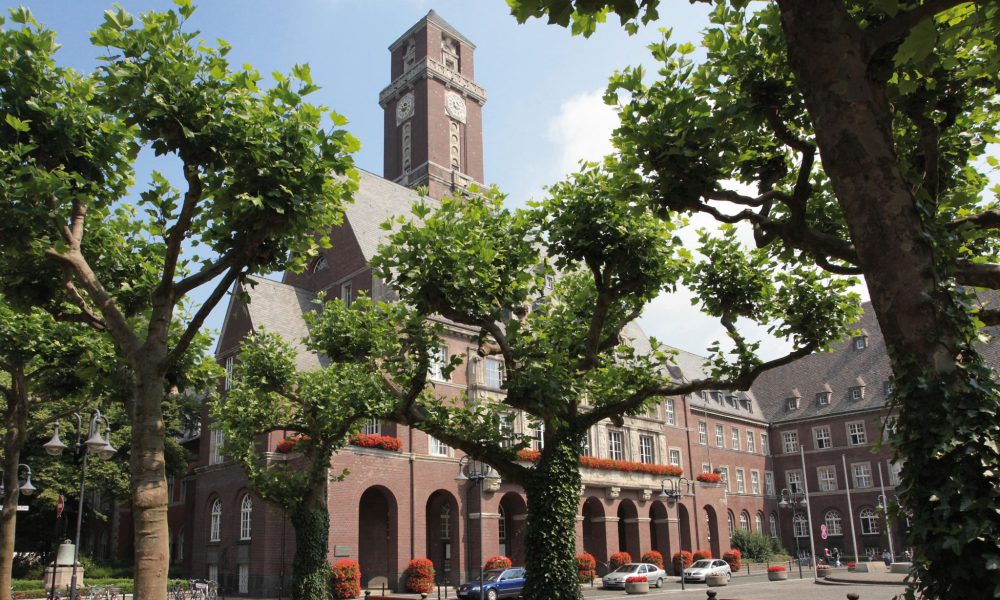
(423,595)
(439,592)
(383,588)
(712,594)
(853,596)
(367,594)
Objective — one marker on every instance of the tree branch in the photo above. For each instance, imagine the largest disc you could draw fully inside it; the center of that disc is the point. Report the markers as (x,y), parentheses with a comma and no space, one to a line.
(903,22)
(182,287)
(199,317)
(989,219)
(990,317)
(824,263)
(978,275)
(177,233)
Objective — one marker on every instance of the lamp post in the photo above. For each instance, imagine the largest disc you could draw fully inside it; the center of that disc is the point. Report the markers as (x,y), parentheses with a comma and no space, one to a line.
(478,472)
(94,443)
(883,507)
(790,499)
(672,494)
(25,488)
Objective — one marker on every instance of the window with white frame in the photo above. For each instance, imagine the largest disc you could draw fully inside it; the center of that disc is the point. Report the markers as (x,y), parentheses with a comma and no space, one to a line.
(857,393)
(741,483)
(769,483)
(862,475)
(744,521)
(772,525)
(246,512)
(494,373)
(754,482)
(834,522)
(507,430)
(750,442)
(800,525)
(856,435)
(731,522)
(702,433)
(790,440)
(616,445)
(888,387)
(587,449)
(444,522)
(823,398)
(720,436)
(372,427)
(889,428)
(215,522)
(228,384)
(822,437)
(759,523)
(438,362)
(538,443)
(669,408)
(869,521)
(724,471)
(827,476)
(765,447)
(735,438)
(895,471)
(437,447)
(243,575)
(213,571)
(674,457)
(346,293)
(794,481)
(706,468)
(215,442)
(646,453)
(860,342)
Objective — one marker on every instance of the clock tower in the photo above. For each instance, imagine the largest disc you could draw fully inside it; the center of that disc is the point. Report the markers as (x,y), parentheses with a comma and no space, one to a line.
(433,110)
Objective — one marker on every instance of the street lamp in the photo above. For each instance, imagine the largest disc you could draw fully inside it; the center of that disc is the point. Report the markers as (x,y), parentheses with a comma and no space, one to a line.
(672,494)
(883,507)
(99,446)
(478,472)
(25,488)
(790,499)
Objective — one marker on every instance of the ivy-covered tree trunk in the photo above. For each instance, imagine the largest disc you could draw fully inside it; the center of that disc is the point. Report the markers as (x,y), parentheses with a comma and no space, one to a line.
(15,416)
(553,490)
(311,567)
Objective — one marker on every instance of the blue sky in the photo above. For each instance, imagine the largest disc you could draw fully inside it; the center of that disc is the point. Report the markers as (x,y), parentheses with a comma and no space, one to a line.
(543,112)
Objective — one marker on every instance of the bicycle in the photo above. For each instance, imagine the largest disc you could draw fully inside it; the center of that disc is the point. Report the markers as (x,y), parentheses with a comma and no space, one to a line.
(178,592)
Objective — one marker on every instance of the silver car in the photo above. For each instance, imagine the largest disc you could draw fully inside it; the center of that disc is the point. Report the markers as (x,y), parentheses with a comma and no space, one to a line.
(701,569)
(653,574)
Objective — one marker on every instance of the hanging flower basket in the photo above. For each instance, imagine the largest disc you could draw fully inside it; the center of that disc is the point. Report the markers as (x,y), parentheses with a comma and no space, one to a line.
(636,585)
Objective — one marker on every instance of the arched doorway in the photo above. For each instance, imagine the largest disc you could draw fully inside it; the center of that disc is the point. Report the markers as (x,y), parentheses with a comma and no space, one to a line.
(684,526)
(442,520)
(712,519)
(513,511)
(628,529)
(659,533)
(594,532)
(377,537)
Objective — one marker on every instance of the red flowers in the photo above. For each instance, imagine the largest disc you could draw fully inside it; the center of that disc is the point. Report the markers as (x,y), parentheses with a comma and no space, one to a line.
(653,557)
(636,579)
(775,569)
(497,562)
(374,440)
(346,579)
(734,558)
(606,464)
(288,444)
(681,560)
(618,559)
(420,575)
(701,554)
(586,567)
(709,477)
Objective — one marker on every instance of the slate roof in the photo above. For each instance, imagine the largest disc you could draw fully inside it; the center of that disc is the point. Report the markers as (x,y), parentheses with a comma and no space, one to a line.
(279,308)
(376,201)
(435,18)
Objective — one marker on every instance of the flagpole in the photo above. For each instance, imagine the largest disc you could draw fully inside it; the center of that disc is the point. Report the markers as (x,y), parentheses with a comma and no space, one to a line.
(850,509)
(805,487)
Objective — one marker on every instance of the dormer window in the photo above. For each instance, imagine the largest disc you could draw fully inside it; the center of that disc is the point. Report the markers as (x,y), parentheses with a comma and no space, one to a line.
(889,387)
(857,393)
(823,398)
(731,401)
(792,404)
(861,341)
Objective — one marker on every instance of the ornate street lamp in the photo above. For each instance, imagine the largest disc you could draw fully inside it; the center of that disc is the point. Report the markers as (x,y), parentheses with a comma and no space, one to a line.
(25,488)
(672,494)
(797,500)
(477,472)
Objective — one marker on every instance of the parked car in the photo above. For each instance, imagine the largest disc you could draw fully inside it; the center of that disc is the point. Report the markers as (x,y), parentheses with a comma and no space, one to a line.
(497,583)
(701,569)
(616,579)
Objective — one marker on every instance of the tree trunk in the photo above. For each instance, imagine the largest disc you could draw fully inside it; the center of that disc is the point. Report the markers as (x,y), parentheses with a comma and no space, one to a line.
(16,418)
(310,566)
(553,490)
(947,399)
(149,483)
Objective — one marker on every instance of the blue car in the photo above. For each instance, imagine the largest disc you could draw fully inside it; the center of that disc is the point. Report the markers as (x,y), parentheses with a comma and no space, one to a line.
(497,583)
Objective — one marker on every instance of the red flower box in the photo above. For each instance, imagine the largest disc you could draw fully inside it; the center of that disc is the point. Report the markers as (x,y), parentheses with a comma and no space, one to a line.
(775,569)
(374,440)
(636,579)
(606,464)
(287,445)
(709,478)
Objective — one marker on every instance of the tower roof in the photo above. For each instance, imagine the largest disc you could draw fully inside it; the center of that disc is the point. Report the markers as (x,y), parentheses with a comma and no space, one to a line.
(432,17)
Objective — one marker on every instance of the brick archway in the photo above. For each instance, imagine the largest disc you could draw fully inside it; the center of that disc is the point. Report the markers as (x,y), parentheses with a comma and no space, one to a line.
(378,538)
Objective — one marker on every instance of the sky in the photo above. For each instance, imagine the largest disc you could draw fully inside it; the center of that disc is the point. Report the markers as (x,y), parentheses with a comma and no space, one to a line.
(543,114)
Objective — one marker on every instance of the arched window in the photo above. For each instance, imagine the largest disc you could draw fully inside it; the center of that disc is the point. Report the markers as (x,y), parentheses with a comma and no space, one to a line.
(800,526)
(445,521)
(731,521)
(503,526)
(214,527)
(759,522)
(246,512)
(320,264)
(744,521)
(869,521)
(772,523)
(179,553)
(834,525)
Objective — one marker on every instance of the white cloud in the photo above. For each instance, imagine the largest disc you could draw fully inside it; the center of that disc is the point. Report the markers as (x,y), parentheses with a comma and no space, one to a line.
(582,131)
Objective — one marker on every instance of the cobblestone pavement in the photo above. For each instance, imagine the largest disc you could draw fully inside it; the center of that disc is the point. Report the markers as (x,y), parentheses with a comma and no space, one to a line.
(753,588)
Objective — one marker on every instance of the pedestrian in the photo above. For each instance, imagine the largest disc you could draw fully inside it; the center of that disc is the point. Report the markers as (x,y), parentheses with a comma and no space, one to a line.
(908,555)
(887,558)
(827,557)
(836,556)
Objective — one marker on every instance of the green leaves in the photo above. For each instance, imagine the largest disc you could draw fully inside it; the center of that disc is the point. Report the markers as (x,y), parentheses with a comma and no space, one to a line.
(918,44)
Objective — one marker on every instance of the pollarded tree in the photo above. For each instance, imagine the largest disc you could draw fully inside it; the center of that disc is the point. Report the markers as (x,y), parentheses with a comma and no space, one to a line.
(865,127)
(374,358)
(258,168)
(563,339)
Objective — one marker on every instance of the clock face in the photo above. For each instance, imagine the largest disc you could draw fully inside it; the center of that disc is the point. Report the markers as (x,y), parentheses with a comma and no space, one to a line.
(404,108)
(454,105)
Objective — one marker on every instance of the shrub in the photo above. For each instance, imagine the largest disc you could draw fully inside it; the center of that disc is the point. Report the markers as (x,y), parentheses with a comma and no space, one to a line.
(498,562)
(618,559)
(733,557)
(636,579)
(700,554)
(709,478)
(420,575)
(775,569)
(681,560)
(586,567)
(754,546)
(652,557)
(346,579)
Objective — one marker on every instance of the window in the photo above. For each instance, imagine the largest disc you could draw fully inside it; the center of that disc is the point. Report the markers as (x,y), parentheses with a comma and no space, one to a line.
(228,384)
(741,484)
(869,522)
(772,525)
(765,448)
(646,455)
(706,468)
(862,475)
(791,403)
(759,523)
(755,483)
(794,481)
(731,522)
(246,511)
(321,264)
(445,522)
(834,525)
(244,578)
(791,441)
(494,373)
(769,483)
(179,554)
(616,448)
(720,436)
(213,572)
(439,360)
(587,449)
(550,283)
(724,471)
(215,523)
(437,447)
(744,521)
(823,398)
(750,444)
(668,407)
(895,470)
(827,478)
(502,530)
(675,457)
(822,437)
(735,438)
(346,293)
(856,433)
(889,428)
(215,443)
(372,427)
(184,490)
(860,342)
(888,387)
(857,393)
(702,432)
(539,442)
(800,526)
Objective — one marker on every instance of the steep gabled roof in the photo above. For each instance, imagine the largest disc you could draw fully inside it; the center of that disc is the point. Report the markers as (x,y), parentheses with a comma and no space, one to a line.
(279,308)
(376,201)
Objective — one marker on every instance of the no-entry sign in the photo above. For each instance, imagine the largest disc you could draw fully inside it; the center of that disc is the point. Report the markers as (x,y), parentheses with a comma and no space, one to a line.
(60,506)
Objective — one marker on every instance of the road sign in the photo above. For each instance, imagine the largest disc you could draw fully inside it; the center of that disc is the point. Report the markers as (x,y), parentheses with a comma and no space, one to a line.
(22,508)
(822,531)
(60,506)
